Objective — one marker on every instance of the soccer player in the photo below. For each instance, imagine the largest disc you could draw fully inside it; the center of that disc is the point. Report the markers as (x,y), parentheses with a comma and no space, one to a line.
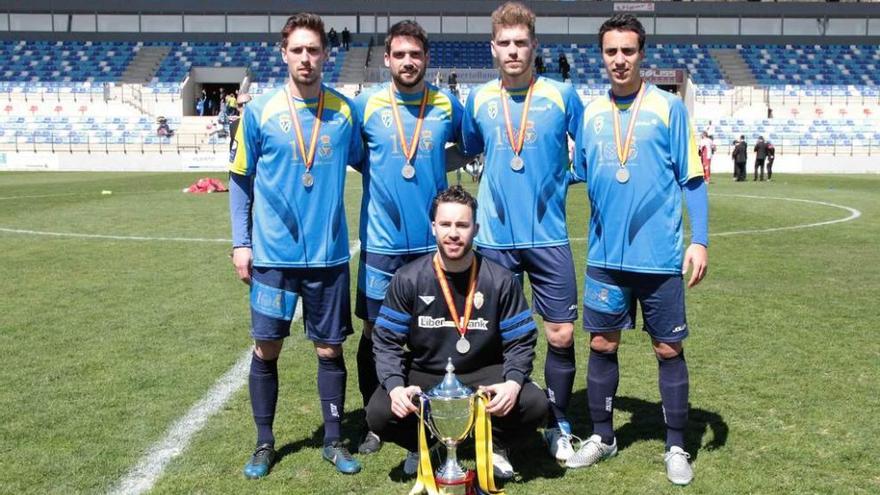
(637,152)
(289,231)
(406,125)
(456,303)
(522,122)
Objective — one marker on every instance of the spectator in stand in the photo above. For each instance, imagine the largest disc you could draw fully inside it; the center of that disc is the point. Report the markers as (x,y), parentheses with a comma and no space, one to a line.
(346,38)
(231,100)
(201,103)
(452,81)
(771,155)
(564,68)
(539,64)
(222,102)
(164,130)
(333,36)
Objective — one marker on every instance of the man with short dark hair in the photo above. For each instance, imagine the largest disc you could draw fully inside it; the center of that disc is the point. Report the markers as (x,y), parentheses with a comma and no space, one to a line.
(636,241)
(456,304)
(290,239)
(406,126)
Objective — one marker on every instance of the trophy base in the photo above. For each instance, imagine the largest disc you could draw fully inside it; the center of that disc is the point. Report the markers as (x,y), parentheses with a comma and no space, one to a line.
(461,487)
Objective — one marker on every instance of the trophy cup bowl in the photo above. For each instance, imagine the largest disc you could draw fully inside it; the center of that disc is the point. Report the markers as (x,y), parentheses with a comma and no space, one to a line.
(450,418)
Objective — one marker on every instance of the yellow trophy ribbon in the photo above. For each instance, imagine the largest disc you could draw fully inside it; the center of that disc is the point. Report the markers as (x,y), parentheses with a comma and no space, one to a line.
(425,481)
(483,447)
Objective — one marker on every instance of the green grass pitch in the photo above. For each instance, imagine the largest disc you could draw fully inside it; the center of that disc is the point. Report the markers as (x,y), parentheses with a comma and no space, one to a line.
(107,341)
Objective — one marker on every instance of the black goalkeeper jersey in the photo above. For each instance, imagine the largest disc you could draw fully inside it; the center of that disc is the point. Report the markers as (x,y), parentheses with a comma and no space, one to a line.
(415,329)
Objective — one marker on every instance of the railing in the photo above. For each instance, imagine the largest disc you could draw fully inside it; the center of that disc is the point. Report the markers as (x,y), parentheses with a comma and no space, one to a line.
(26,142)
(774,98)
(817,148)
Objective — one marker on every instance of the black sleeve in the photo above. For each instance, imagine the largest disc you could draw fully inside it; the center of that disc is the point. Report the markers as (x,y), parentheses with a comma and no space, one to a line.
(519,334)
(391,331)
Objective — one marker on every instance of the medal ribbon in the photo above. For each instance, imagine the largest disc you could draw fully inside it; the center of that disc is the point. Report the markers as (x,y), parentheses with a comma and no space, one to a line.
(623,151)
(517,143)
(460,322)
(409,150)
(308,158)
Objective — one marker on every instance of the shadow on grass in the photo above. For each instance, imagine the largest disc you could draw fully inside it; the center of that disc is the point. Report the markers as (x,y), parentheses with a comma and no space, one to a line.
(352,424)
(706,429)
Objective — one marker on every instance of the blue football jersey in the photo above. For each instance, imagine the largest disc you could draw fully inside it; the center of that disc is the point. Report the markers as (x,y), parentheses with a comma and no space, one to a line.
(637,225)
(522,208)
(296,226)
(394,209)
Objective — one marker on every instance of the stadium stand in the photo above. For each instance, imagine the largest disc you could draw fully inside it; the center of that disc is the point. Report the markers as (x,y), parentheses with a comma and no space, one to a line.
(63,95)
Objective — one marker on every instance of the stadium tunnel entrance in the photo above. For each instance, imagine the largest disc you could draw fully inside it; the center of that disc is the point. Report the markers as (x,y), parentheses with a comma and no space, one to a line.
(211,80)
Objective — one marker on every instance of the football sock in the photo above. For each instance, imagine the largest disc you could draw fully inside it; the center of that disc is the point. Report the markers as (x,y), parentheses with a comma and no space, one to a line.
(263,387)
(331,390)
(603,375)
(368,382)
(674,395)
(559,371)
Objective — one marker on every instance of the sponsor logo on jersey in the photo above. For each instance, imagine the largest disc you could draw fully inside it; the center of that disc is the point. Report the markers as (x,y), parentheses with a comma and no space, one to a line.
(284,123)
(429,322)
(427,299)
(492,109)
(386,118)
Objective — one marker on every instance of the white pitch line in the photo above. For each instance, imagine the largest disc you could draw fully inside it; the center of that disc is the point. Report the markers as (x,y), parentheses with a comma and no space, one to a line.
(853,214)
(141,478)
(110,237)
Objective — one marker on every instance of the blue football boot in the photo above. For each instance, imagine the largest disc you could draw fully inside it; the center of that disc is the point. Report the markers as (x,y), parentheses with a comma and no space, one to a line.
(260,462)
(339,456)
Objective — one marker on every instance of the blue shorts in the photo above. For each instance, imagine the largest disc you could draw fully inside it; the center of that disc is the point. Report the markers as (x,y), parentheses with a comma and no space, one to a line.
(610,303)
(326,302)
(551,274)
(374,276)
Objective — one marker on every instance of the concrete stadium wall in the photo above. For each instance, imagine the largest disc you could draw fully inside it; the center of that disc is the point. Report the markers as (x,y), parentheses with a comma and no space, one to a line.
(214,162)
(114,162)
(804,164)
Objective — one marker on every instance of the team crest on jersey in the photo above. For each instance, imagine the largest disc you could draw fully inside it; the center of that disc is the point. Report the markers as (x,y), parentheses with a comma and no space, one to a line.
(386,118)
(478,300)
(426,142)
(284,123)
(325,150)
(531,135)
(598,124)
(492,108)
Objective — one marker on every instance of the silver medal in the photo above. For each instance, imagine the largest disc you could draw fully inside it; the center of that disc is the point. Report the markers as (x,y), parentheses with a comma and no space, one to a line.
(308,179)
(408,171)
(516,163)
(462,346)
(622,175)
